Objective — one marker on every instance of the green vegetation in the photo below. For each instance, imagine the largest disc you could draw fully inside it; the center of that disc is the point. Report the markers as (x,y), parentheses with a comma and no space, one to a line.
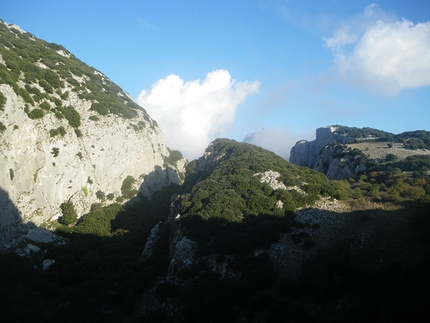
(71,115)
(100,195)
(127,187)
(2,101)
(84,190)
(233,193)
(69,214)
(11,174)
(174,156)
(55,151)
(419,139)
(59,131)
(365,133)
(98,275)
(36,114)
(2,127)
(23,54)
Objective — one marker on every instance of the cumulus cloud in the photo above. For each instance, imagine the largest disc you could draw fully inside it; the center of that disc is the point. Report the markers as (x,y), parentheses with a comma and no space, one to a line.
(192,114)
(382,55)
(278,140)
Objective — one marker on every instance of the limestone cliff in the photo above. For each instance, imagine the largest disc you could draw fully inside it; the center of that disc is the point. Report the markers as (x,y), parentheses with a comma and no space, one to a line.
(67,133)
(306,153)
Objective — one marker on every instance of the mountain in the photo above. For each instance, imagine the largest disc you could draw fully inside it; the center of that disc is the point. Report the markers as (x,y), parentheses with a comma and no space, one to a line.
(241,235)
(68,134)
(343,152)
(247,237)
(253,236)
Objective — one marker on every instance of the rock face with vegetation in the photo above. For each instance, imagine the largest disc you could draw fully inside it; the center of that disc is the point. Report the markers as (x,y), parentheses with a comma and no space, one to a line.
(343,152)
(306,153)
(69,134)
(244,237)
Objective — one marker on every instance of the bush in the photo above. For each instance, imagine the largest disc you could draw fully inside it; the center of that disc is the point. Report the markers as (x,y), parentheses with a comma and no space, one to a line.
(69,213)
(55,151)
(126,187)
(36,114)
(2,101)
(59,131)
(101,109)
(100,195)
(72,116)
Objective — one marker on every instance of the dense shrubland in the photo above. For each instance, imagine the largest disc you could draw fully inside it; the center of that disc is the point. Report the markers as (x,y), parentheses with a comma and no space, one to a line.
(419,139)
(97,275)
(46,74)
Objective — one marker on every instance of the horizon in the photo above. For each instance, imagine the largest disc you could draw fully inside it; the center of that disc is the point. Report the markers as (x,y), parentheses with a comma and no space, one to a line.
(279,69)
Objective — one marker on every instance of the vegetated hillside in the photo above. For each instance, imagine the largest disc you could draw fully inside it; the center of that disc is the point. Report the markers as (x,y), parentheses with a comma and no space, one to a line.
(221,252)
(418,139)
(68,134)
(235,254)
(240,183)
(343,152)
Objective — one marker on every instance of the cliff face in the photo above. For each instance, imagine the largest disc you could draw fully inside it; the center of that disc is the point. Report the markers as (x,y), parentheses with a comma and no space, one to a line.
(58,144)
(306,153)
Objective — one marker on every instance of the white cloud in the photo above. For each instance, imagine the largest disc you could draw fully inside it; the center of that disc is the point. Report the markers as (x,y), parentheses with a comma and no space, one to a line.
(278,140)
(386,56)
(194,113)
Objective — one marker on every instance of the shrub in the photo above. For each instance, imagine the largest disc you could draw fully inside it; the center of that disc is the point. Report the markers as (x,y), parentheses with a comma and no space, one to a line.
(71,115)
(55,151)
(2,101)
(36,114)
(59,131)
(100,195)
(45,106)
(101,109)
(2,127)
(84,190)
(126,187)
(69,213)
(78,133)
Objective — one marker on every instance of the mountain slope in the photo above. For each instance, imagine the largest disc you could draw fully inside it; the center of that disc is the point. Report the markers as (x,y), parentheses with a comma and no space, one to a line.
(343,152)
(254,238)
(69,134)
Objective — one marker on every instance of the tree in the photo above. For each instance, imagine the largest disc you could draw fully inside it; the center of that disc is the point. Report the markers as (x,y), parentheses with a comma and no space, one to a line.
(69,213)
(390,157)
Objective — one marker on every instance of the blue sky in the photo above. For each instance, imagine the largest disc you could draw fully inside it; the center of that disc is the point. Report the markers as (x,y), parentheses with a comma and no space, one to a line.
(226,68)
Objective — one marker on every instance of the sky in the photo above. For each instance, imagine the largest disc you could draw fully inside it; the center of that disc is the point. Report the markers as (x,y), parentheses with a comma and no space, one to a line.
(269,70)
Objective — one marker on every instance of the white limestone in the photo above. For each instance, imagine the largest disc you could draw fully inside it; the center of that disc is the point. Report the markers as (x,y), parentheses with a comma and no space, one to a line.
(34,183)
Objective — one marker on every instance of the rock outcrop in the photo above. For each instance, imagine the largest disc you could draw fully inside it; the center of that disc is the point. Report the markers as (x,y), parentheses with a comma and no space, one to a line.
(306,153)
(58,143)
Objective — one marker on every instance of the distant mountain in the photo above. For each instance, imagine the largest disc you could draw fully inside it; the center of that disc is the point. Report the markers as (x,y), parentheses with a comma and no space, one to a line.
(342,152)
(68,134)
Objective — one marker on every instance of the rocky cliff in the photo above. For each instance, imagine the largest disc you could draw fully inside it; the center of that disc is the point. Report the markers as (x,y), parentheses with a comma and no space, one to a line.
(306,153)
(67,133)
